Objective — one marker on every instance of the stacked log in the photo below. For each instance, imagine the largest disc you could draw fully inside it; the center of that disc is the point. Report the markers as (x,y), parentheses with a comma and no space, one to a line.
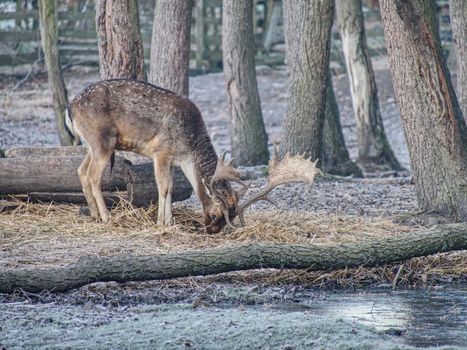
(49,174)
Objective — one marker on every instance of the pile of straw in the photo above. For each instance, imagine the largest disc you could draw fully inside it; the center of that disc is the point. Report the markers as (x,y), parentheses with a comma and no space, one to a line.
(51,235)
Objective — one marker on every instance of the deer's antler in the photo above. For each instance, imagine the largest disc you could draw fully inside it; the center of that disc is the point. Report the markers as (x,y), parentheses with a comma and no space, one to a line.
(290,169)
(225,172)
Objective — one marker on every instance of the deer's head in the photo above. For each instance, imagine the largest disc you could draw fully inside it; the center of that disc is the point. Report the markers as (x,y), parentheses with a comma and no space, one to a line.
(226,204)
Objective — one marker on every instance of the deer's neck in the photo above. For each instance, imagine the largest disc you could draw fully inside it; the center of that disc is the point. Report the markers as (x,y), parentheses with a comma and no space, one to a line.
(204,166)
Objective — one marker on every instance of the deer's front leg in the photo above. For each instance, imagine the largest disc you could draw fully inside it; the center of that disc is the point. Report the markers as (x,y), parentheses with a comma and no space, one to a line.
(164,180)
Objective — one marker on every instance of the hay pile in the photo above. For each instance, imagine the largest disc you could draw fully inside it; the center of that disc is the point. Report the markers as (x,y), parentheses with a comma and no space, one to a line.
(50,235)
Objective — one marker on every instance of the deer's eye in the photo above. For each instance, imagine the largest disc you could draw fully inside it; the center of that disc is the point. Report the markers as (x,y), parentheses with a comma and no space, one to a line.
(213,217)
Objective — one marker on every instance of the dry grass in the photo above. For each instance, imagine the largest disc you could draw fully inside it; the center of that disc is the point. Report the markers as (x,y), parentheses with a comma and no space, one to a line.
(47,235)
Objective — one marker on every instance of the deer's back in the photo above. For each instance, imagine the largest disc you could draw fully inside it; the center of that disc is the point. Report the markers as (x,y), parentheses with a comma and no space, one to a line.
(142,117)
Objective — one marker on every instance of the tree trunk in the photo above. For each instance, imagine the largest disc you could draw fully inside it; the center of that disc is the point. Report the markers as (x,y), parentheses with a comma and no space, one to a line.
(274,15)
(170,48)
(307,28)
(313,257)
(374,151)
(119,40)
(458,11)
(49,39)
(247,133)
(434,128)
(336,159)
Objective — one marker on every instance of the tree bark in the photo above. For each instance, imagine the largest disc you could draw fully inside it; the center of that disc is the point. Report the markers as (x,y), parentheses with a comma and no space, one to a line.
(434,128)
(54,174)
(313,257)
(17,152)
(307,28)
(49,39)
(77,198)
(374,151)
(121,52)
(274,15)
(247,133)
(50,174)
(170,48)
(336,159)
(142,189)
(458,11)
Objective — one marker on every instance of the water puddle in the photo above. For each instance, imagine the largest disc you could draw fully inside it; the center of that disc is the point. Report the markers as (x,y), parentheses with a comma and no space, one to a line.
(421,318)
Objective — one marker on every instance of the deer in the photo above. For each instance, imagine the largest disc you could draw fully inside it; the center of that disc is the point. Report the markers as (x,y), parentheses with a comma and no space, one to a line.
(132,115)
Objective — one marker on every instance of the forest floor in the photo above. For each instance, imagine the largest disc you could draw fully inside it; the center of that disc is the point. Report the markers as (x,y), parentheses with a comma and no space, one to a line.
(177,314)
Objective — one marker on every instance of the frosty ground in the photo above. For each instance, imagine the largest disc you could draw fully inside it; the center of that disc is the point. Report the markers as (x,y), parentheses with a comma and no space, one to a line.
(199,313)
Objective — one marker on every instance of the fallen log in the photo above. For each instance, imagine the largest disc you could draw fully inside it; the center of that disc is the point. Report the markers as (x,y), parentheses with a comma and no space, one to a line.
(316,257)
(54,174)
(49,174)
(77,198)
(55,151)
(142,189)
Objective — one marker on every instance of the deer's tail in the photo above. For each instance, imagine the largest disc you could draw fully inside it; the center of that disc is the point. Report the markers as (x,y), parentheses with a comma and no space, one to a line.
(70,128)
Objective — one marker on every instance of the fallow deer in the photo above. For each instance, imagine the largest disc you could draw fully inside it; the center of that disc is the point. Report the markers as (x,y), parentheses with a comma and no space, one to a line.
(136,116)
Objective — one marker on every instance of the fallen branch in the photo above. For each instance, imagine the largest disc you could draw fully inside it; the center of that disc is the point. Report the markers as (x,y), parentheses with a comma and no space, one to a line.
(316,257)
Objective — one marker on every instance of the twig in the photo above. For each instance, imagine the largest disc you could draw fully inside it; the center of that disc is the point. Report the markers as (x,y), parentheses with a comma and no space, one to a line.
(394,283)
(26,77)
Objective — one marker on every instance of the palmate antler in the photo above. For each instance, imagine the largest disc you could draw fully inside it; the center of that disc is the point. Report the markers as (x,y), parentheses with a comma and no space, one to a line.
(290,169)
(225,172)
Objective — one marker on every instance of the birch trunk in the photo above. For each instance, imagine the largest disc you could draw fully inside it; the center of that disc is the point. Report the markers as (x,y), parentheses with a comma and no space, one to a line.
(435,131)
(307,28)
(49,39)
(247,133)
(170,47)
(121,52)
(336,159)
(458,10)
(374,151)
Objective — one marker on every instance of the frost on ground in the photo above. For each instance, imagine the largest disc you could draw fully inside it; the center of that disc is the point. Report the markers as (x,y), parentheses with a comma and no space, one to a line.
(26,118)
(180,326)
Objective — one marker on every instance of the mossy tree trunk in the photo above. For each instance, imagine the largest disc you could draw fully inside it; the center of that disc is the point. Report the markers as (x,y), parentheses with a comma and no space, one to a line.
(247,133)
(119,40)
(435,131)
(313,257)
(49,40)
(458,11)
(307,31)
(170,47)
(374,151)
(336,159)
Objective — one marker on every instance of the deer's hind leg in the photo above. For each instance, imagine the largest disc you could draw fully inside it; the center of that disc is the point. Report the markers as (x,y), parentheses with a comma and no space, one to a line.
(86,184)
(99,160)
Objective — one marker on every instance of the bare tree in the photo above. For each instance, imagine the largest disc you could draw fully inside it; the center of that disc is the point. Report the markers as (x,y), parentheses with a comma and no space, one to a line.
(374,151)
(435,131)
(170,48)
(49,39)
(458,10)
(307,28)
(247,133)
(336,159)
(119,39)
